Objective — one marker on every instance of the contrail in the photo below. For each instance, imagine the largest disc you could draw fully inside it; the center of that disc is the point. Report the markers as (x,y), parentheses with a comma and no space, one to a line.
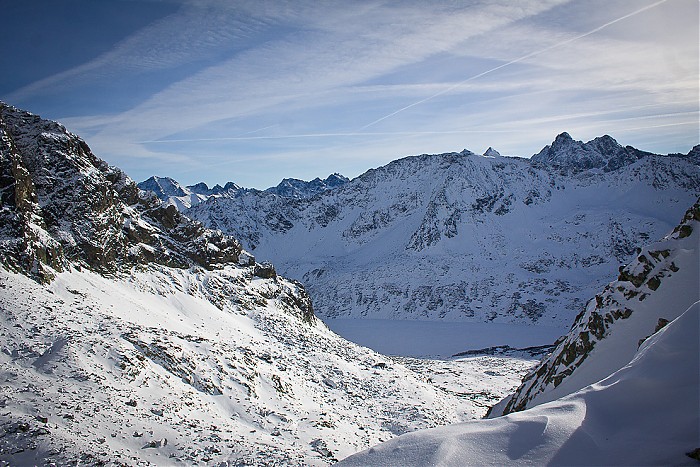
(520,59)
(323,135)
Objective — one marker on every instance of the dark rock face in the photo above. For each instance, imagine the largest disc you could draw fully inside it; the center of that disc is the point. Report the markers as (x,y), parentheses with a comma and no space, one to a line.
(571,156)
(265,271)
(61,203)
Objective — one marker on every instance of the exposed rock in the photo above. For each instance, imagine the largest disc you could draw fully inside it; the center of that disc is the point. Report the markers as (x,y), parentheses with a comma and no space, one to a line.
(265,270)
(156,443)
(59,203)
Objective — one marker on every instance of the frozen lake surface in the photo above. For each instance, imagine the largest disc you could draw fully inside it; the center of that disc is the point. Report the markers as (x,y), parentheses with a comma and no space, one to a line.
(440,339)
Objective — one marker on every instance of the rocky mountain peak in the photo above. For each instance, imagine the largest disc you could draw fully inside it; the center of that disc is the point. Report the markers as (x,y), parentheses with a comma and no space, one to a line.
(572,156)
(61,204)
(563,138)
(163,187)
(491,152)
(202,188)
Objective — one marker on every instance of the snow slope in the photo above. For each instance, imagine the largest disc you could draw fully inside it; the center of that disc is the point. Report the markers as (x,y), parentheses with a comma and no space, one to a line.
(218,363)
(463,237)
(657,286)
(622,388)
(643,414)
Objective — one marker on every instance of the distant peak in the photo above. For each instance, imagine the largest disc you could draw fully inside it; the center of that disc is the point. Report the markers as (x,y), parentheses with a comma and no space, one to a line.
(573,156)
(163,187)
(337,176)
(491,152)
(563,136)
(201,186)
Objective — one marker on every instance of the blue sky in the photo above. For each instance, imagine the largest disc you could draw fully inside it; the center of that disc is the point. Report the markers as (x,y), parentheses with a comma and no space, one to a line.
(255,91)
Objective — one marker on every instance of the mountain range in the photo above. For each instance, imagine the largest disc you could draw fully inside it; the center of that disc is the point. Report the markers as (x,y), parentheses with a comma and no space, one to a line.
(171,192)
(467,237)
(133,334)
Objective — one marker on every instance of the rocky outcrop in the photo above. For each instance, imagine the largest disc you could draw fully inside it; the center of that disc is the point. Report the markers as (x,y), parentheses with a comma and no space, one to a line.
(60,204)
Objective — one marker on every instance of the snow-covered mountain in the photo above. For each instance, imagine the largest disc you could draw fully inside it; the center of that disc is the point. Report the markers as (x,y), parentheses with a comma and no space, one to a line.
(460,236)
(299,189)
(171,192)
(133,335)
(622,388)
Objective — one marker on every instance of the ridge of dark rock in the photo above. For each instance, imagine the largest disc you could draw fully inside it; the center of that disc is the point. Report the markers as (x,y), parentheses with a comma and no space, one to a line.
(61,204)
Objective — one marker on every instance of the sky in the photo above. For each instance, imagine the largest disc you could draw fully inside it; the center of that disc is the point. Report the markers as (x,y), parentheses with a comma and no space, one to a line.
(256,91)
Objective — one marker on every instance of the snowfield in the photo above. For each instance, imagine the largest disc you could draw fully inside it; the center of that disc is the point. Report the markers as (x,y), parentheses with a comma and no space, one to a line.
(169,366)
(644,414)
(441,339)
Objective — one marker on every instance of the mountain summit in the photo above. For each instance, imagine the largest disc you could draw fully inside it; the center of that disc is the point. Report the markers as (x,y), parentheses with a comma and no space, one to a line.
(491,152)
(573,156)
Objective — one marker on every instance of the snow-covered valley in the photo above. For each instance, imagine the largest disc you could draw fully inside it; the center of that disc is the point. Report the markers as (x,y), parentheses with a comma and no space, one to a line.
(439,338)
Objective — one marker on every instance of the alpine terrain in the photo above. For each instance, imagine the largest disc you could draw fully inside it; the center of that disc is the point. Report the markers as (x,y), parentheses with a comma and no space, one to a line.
(467,237)
(621,388)
(133,335)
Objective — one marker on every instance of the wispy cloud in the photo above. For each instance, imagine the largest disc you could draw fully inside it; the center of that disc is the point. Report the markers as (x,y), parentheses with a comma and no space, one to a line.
(516,60)
(294,80)
(196,32)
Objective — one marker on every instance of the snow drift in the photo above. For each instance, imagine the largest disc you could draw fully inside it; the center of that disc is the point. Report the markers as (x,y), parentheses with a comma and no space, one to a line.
(643,414)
